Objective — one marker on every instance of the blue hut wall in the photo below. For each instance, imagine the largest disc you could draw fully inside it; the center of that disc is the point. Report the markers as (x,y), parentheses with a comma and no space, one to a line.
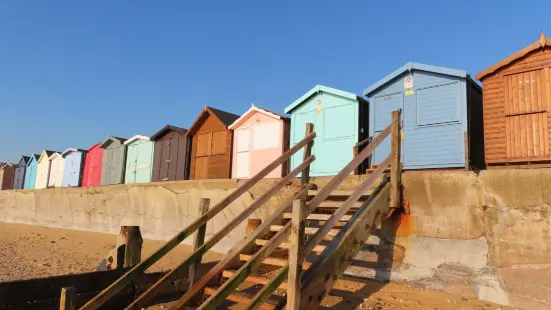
(335,120)
(30,174)
(434,119)
(74,164)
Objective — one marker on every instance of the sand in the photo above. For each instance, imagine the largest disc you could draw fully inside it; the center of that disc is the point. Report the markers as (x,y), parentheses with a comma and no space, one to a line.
(34,251)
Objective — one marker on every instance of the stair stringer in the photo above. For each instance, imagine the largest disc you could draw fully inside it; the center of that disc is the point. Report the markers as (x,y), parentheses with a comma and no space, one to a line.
(319,279)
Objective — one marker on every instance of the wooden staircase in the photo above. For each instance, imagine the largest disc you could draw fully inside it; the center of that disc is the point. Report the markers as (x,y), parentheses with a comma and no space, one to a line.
(280,258)
(292,259)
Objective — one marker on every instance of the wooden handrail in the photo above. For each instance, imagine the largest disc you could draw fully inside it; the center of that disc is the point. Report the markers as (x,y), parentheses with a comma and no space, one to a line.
(355,149)
(364,141)
(182,267)
(132,274)
(276,281)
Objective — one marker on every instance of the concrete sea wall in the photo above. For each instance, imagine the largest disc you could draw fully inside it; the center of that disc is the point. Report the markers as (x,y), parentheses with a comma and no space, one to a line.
(485,235)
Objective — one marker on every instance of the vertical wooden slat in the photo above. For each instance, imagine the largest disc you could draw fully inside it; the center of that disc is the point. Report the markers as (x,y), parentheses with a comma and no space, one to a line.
(509,141)
(545,130)
(506,91)
(522,129)
(198,241)
(133,251)
(68,298)
(539,90)
(296,258)
(536,134)
(514,94)
(527,92)
(516,135)
(533,88)
(395,164)
(542,142)
(305,177)
(547,89)
(529,135)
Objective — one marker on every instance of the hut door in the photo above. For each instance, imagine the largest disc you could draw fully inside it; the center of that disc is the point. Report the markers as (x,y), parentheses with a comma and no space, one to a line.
(143,161)
(526,115)
(165,158)
(202,155)
(242,152)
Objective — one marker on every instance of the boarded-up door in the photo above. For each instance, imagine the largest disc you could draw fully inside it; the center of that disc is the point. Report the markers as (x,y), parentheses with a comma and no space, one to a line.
(526,130)
(243,153)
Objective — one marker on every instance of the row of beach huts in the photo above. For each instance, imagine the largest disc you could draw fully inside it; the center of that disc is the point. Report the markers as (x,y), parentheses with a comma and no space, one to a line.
(448,120)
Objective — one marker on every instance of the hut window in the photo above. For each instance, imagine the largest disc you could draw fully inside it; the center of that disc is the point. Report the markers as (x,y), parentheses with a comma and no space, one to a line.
(334,126)
(438,104)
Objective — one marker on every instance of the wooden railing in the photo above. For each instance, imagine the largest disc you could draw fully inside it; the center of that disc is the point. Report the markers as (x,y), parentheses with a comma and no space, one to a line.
(195,257)
(296,292)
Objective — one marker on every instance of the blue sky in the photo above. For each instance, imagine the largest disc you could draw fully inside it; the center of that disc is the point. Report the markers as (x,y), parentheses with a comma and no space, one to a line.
(72,72)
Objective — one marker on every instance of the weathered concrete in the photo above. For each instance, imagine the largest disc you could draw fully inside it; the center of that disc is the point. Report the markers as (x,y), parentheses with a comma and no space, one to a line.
(485,235)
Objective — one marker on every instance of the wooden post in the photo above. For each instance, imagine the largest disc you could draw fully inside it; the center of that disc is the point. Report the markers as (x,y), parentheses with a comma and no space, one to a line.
(395,164)
(252,225)
(305,178)
(296,239)
(354,154)
(199,241)
(134,241)
(68,298)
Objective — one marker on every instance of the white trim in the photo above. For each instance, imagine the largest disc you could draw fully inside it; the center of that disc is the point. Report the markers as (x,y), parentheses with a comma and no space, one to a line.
(54,155)
(136,137)
(252,109)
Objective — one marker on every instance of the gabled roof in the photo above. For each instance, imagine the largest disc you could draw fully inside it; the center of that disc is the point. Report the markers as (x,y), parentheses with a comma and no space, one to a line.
(70,150)
(409,67)
(166,129)
(54,155)
(315,90)
(540,44)
(25,160)
(105,143)
(225,118)
(93,146)
(34,157)
(2,165)
(252,110)
(46,154)
(136,137)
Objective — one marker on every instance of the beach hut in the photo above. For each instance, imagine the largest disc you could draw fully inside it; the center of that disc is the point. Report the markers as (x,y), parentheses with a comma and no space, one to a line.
(340,122)
(93,166)
(517,105)
(43,169)
(170,160)
(441,116)
(211,144)
(30,172)
(19,175)
(57,169)
(7,172)
(114,155)
(139,159)
(74,167)
(260,137)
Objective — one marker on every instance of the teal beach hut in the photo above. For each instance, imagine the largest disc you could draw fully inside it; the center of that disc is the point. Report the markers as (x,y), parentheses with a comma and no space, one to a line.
(139,159)
(340,121)
(30,172)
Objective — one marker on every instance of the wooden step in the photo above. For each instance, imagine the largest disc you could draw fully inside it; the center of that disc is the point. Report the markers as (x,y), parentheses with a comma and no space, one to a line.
(337,193)
(307,230)
(328,204)
(285,245)
(274,261)
(253,279)
(240,298)
(319,217)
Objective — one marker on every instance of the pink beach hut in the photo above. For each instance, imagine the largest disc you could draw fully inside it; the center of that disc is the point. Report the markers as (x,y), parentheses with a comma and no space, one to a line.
(260,136)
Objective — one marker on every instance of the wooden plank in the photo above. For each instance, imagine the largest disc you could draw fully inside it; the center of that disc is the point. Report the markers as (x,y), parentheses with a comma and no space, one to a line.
(395,162)
(513,166)
(68,298)
(178,271)
(539,91)
(305,177)
(529,135)
(274,261)
(308,230)
(533,94)
(240,246)
(318,217)
(541,127)
(286,245)
(527,92)
(515,91)
(547,88)
(296,258)
(507,90)
(268,289)
(133,249)
(198,241)
(523,137)
(516,133)
(536,135)
(259,280)
(510,142)
(240,298)
(545,130)
(118,285)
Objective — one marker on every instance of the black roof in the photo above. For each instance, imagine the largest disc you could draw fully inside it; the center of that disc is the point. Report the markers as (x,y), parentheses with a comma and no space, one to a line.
(225,117)
(167,128)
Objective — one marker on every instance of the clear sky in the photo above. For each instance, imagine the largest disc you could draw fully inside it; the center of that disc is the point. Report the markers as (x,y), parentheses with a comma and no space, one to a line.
(72,72)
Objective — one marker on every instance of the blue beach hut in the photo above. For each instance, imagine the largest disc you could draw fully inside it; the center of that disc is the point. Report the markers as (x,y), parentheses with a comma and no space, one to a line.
(30,172)
(74,167)
(340,122)
(441,116)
